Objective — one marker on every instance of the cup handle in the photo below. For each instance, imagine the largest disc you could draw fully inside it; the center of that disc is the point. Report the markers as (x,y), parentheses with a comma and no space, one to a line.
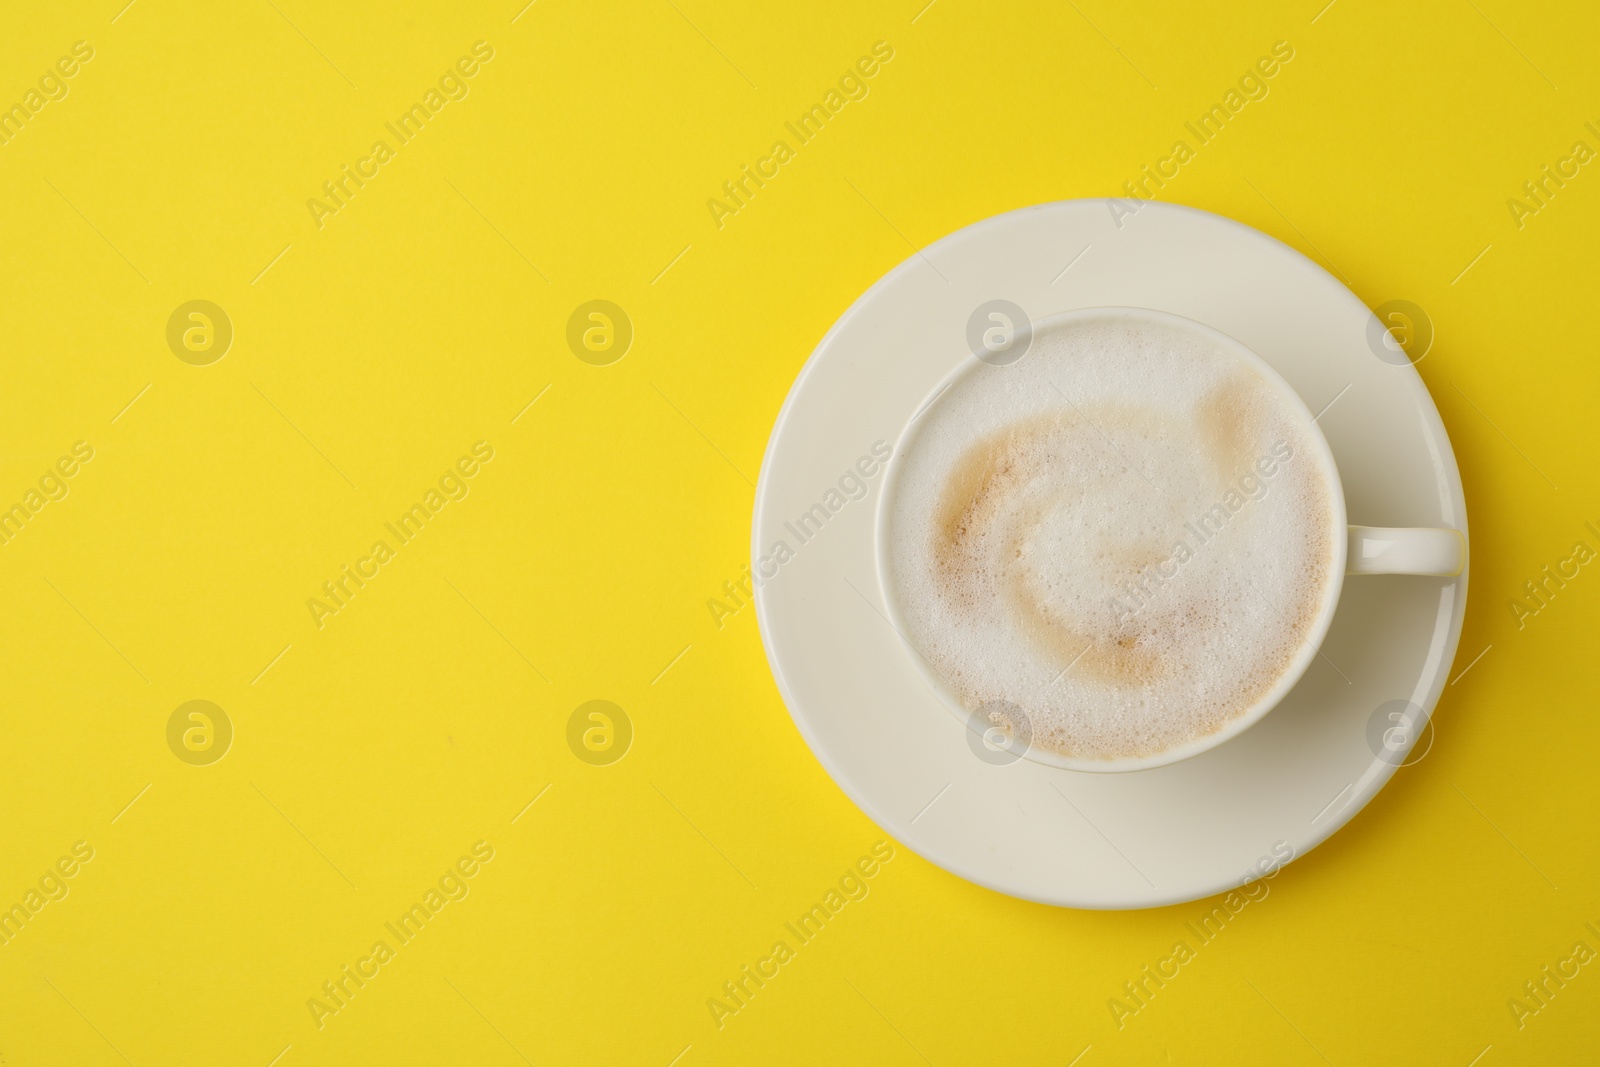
(1406,550)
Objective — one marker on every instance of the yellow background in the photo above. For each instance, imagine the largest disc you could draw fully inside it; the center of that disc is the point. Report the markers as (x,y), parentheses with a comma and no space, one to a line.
(419,320)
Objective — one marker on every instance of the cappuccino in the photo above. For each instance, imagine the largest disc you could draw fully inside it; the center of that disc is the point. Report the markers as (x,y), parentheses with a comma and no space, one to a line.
(1120,543)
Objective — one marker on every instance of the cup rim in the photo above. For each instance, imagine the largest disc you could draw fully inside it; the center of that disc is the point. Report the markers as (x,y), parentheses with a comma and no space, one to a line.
(1339,527)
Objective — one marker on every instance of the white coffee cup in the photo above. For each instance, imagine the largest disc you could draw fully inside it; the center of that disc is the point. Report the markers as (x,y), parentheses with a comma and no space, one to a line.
(1357,550)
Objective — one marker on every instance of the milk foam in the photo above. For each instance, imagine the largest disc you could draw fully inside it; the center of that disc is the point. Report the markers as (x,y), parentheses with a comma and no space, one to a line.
(1127,534)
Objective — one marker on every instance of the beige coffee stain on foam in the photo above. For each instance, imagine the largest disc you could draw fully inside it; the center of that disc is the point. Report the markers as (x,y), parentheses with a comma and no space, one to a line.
(981,492)
(1229,420)
(993,469)
(1122,657)
(978,485)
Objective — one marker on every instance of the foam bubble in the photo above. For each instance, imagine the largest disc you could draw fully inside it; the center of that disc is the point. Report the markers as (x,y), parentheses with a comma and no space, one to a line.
(1127,534)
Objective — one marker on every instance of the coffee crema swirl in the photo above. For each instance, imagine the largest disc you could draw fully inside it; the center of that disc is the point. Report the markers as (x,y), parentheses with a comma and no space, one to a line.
(1127,535)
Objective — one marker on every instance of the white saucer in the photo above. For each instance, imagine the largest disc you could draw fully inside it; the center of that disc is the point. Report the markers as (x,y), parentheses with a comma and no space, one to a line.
(1144,838)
